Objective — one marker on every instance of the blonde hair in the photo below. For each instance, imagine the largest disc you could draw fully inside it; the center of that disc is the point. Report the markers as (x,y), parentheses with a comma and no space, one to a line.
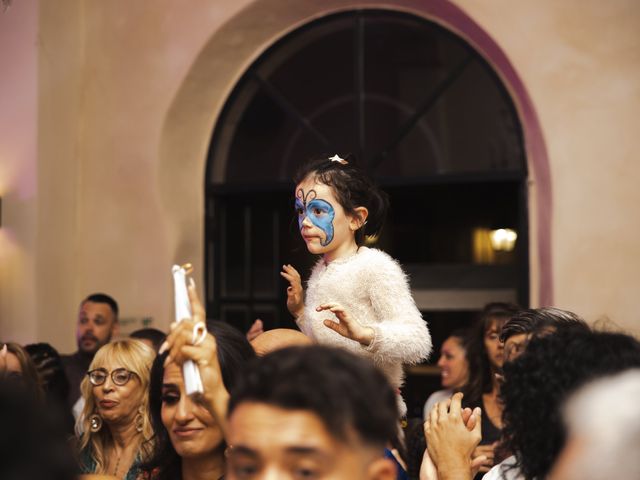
(138,358)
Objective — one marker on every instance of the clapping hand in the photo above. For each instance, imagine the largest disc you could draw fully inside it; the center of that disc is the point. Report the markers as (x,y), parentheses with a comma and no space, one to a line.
(452,434)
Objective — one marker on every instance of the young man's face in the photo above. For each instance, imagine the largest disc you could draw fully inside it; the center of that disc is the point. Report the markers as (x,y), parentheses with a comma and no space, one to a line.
(269,442)
(96,324)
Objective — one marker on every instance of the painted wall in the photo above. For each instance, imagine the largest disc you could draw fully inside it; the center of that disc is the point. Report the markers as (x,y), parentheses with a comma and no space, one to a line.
(580,61)
(102,161)
(18,171)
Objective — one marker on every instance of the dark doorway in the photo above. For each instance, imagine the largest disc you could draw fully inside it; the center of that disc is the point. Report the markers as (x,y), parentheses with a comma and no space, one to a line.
(428,118)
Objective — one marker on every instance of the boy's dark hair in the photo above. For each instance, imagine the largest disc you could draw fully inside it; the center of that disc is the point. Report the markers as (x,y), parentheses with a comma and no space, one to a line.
(103,298)
(233,350)
(155,336)
(352,187)
(537,383)
(345,391)
(536,321)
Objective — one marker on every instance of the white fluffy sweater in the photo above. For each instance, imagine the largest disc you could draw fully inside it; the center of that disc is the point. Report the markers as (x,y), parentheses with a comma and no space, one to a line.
(374,290)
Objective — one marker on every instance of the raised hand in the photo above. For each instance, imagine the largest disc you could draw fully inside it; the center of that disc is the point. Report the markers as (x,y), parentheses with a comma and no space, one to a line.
(450,441)
(295,292)
(179,344)
(347,326)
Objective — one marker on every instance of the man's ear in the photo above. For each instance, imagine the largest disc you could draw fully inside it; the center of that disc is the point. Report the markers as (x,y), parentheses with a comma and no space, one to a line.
(115,328)
(382,469)
(359,218)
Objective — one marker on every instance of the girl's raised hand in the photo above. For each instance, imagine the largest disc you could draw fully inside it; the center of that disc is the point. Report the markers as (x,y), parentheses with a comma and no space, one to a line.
(295,292)
(347,326)
(205,355)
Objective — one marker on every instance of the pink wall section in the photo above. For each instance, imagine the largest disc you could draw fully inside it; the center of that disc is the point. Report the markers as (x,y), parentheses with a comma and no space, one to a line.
(18,168)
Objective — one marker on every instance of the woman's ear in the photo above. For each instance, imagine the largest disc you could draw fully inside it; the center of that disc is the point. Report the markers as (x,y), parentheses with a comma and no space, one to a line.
(359,218)
(382,469)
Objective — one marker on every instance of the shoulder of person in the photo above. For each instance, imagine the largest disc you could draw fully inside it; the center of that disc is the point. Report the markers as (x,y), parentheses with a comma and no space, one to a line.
(380,263)
(506,470)
(440,395)
(373,256)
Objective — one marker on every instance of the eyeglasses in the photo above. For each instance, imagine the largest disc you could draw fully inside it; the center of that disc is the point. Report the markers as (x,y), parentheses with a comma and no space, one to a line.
(120,376)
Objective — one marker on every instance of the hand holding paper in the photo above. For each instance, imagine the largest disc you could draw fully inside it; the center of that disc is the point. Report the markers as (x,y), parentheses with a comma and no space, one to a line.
(192,381)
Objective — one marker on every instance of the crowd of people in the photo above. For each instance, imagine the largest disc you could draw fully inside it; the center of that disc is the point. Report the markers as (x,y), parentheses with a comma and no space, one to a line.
(527,393)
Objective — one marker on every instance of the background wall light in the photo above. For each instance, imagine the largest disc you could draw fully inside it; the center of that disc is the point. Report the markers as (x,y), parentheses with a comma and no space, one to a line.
(503,239)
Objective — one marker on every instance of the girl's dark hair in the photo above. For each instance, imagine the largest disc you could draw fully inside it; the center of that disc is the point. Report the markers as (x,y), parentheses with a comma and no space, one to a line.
(234,350)
(537,383)
(353,188)
(480,374)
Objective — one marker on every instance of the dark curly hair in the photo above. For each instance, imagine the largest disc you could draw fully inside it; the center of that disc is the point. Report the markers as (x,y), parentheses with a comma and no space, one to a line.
(352,187)
(539,321)
(537,383)
(234,350)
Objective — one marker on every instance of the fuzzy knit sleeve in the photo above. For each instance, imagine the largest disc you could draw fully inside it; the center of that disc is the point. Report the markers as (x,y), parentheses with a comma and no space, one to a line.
(304,320)
(401,334)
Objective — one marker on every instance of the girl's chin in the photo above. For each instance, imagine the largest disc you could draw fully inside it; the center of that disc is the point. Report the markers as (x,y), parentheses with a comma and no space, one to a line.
(316,248)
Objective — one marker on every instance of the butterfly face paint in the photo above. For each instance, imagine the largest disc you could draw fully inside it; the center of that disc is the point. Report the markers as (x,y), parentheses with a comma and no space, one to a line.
(319,212)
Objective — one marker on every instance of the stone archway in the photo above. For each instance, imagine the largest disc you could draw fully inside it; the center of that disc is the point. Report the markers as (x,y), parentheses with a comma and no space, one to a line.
(229,52)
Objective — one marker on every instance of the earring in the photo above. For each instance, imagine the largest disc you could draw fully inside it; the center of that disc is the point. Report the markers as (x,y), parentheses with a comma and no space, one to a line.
(139,420)
(95,422)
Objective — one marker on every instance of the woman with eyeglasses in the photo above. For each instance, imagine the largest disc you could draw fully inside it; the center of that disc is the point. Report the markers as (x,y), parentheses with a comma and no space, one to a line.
(117,435)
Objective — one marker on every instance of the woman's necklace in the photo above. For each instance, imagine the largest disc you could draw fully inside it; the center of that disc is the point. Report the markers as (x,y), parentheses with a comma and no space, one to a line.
(115,472)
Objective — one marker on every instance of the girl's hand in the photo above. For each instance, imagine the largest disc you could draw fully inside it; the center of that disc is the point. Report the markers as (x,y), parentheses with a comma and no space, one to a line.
(347,326)
(295,292)
(205,355)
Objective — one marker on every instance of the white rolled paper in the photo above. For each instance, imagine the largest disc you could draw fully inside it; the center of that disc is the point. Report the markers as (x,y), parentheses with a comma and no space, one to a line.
(190,373)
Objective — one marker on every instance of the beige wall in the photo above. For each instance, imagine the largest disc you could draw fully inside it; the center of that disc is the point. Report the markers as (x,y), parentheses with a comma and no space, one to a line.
(580,61)
(127,94)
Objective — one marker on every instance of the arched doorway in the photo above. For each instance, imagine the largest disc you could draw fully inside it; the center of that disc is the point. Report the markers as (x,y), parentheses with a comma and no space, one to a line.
(425,114)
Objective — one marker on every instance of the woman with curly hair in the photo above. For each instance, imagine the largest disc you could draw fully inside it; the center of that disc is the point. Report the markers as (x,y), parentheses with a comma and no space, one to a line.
(536,385)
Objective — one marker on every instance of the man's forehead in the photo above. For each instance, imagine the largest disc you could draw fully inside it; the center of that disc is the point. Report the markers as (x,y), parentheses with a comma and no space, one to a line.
(89,307)
(258,425)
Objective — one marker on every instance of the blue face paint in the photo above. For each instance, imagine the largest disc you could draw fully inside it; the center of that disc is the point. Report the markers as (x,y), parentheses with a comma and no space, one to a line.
(320,213)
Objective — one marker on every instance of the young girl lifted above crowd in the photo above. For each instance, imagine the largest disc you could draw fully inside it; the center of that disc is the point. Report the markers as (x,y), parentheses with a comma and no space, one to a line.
(357,298)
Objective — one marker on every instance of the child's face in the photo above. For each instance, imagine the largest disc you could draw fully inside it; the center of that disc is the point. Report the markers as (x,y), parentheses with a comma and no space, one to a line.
(324,225)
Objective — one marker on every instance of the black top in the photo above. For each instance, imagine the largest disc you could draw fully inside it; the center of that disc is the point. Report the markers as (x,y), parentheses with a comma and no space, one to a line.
(75,367)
